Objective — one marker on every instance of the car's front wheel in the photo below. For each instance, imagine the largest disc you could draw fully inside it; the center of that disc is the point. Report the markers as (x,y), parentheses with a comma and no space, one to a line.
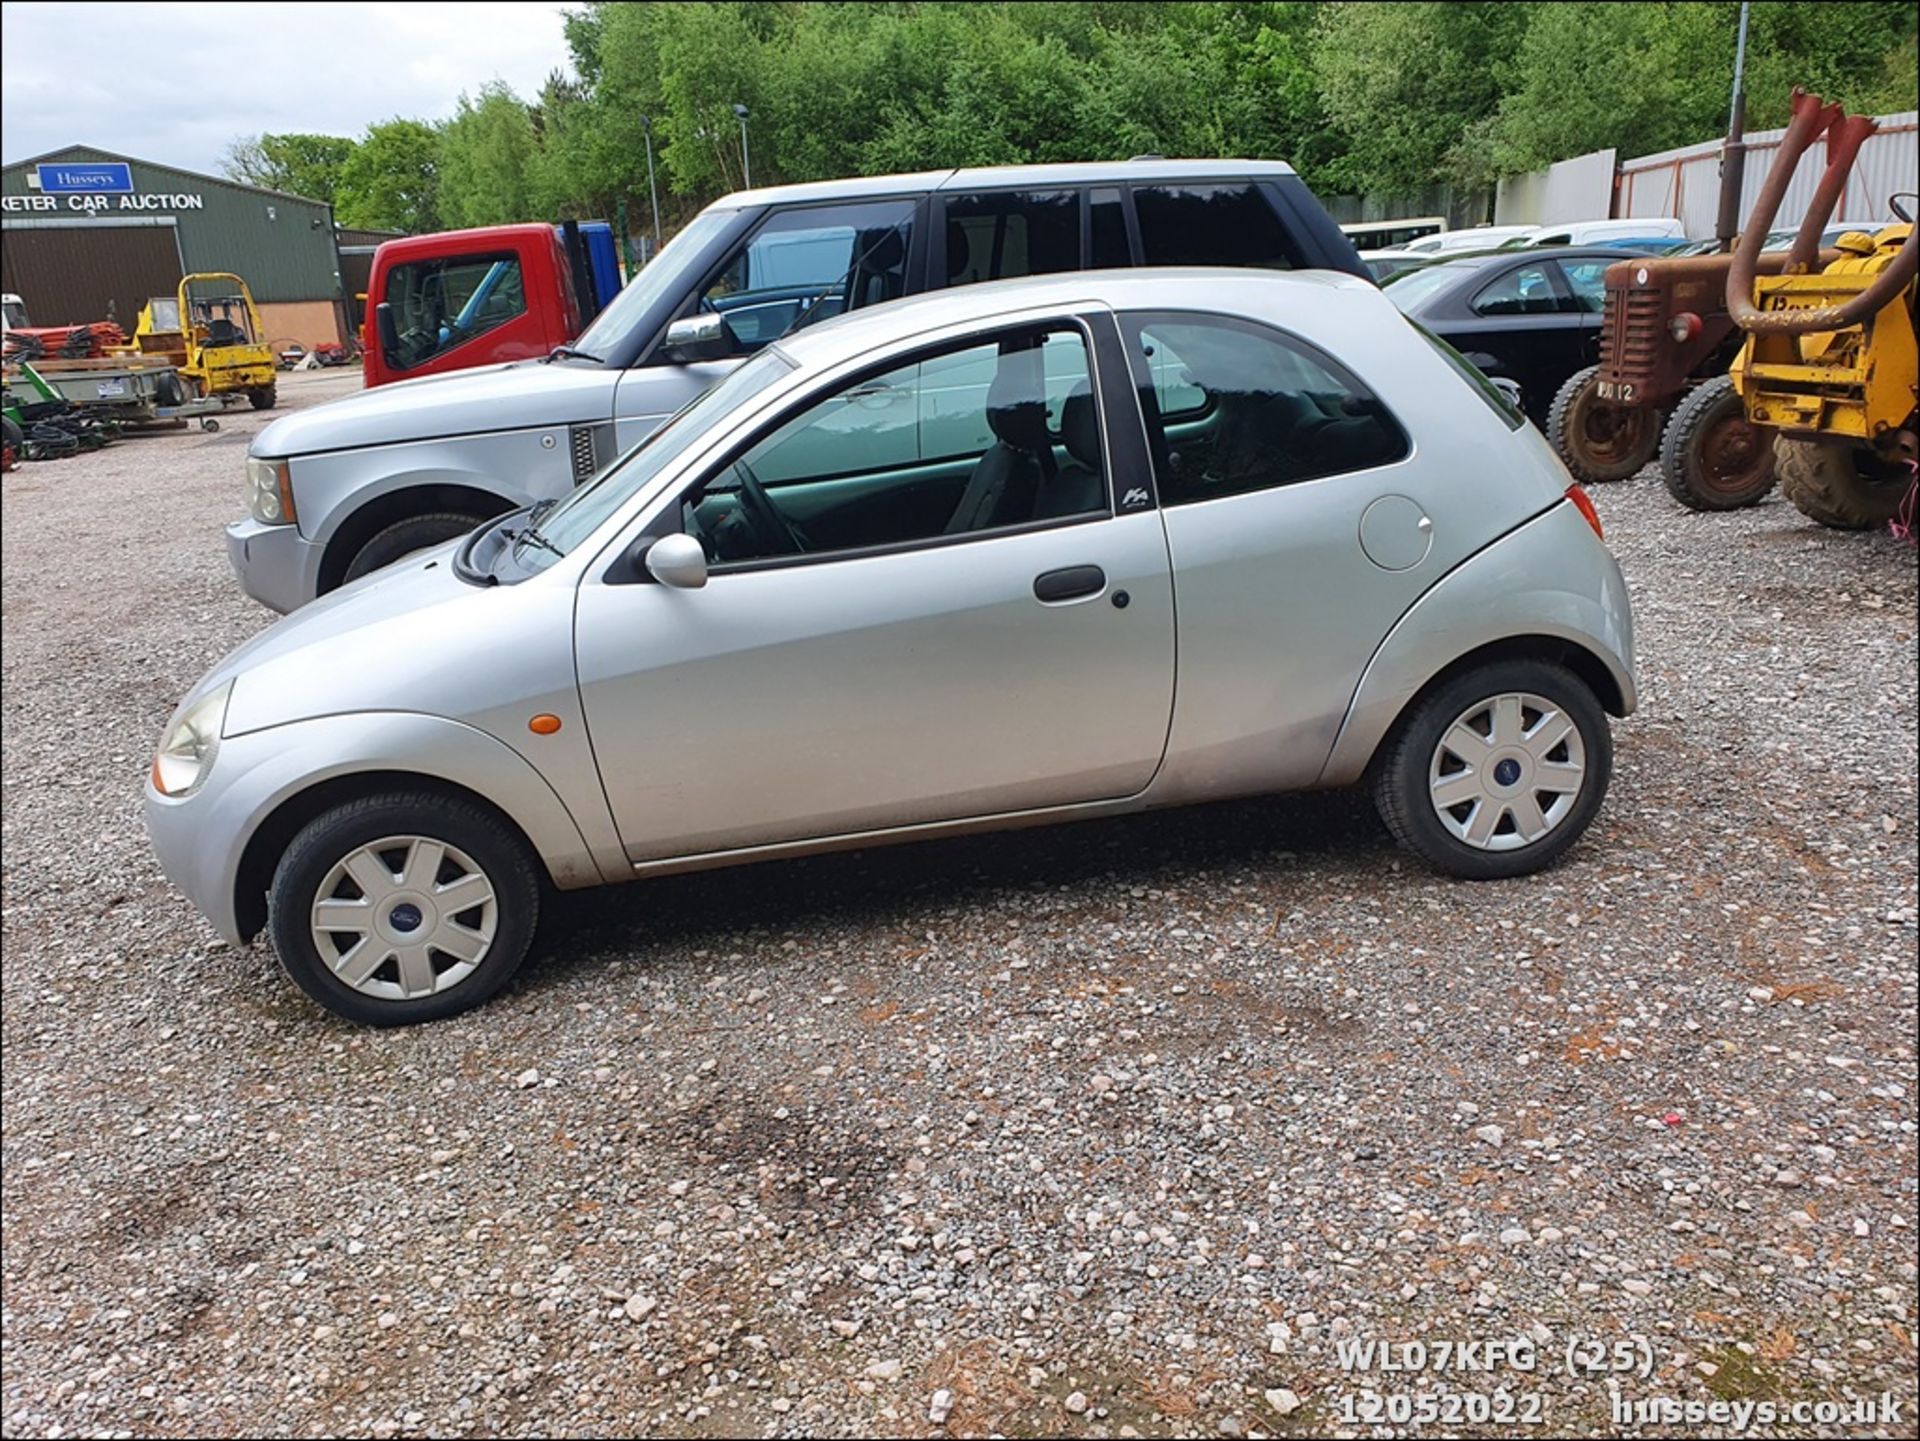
(1498,771)
(404,908)
(404,537)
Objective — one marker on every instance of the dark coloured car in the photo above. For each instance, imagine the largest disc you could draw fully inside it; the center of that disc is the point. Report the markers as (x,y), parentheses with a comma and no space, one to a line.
(1527,318)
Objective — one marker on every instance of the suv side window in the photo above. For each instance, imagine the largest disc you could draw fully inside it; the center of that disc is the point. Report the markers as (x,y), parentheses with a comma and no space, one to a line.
(441,303)
(1213,223)
(1273,411)
(981,436)
(806,264)
(996,236)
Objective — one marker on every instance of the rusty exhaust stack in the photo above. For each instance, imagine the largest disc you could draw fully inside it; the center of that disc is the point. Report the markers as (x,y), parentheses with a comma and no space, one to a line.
(1844,138)
(1811,118)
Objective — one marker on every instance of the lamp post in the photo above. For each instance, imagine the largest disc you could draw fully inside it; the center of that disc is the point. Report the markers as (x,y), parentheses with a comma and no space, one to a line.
(653,187)
(746,167)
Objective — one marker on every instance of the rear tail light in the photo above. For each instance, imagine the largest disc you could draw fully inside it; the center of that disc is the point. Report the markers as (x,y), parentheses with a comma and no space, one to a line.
(1584,505)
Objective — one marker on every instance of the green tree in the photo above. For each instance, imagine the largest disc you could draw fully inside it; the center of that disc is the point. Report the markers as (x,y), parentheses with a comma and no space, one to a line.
(306,165)
(391,181)
(488,158)
(1403,83)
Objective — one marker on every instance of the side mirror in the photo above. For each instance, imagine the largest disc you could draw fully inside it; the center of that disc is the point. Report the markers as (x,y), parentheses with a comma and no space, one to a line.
(388,330)
(700,337)
(677,560)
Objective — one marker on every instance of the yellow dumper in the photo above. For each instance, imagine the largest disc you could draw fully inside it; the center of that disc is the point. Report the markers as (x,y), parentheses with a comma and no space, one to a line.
(210,330)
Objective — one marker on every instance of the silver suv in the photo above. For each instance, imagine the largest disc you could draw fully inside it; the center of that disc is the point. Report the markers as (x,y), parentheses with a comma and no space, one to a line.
(341,490)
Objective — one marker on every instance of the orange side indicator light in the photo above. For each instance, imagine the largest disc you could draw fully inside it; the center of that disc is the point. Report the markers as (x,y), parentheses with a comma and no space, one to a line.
(544,724)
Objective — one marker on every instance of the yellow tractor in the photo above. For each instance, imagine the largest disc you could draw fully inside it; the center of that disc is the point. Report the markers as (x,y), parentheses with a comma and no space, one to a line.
(1830,360)
(213,335)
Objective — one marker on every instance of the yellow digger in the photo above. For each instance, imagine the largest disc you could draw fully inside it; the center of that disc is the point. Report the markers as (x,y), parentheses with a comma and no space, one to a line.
(212,335)
(1830,360)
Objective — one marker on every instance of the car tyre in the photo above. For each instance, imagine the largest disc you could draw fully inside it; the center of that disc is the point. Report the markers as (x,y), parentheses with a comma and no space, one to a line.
(404,537)
(1711,456)
(1597,440)
(390,869)
(1844,486)
(1521,704)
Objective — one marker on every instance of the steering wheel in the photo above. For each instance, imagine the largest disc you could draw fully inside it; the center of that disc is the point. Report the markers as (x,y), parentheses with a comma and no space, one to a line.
(1904,212)
(775,533)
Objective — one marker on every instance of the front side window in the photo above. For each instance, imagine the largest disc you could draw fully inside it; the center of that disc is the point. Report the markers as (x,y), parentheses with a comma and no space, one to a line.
(1270,410)
(807,264)
(1214,224)
(958,442)
(438,304)
(998,236)
(1587,283)
(1523,290)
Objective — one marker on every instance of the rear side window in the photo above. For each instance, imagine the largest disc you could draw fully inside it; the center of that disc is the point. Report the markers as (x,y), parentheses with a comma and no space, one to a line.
(1587,280)
(1496,399)
(438,304)
(1107,229)
(1211,224)
(995,237)
(1271,410)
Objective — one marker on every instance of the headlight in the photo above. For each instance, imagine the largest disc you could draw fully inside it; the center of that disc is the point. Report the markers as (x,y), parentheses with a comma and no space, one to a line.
(270,491)
(186,755)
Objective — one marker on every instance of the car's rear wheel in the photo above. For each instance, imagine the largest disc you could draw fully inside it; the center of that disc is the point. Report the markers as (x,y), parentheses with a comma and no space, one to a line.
(404,537)
(1498,771)
(1600,441)
(404,908)
(1712,457)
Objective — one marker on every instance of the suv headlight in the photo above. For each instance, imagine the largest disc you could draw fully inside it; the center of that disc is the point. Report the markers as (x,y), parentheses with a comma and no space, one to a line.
(270,491)
(187,752)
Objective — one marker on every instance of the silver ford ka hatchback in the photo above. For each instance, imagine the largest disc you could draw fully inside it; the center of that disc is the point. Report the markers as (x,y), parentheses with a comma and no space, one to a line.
(1022,553)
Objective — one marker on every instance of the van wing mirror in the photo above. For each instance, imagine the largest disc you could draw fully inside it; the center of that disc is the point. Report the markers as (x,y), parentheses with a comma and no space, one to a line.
(387,329)
(700,337)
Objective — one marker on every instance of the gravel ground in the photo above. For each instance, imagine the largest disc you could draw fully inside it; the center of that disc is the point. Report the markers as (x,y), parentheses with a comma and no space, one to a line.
(1113,1129)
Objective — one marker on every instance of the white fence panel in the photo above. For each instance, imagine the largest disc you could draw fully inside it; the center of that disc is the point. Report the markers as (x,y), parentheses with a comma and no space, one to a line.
(1577,189)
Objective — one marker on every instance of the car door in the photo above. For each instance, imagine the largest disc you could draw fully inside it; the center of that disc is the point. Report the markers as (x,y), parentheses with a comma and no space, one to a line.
(1519,323)
(884,643)
(1299,528)
(1584,286)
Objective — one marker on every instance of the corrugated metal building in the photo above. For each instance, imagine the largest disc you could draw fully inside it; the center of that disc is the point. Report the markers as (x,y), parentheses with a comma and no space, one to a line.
(89,235)
(1686,182)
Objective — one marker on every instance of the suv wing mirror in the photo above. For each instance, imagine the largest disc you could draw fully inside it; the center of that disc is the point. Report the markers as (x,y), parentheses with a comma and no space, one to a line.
(700,337)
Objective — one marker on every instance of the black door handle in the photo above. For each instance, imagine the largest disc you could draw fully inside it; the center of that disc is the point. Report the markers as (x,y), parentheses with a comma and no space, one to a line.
(1068,584)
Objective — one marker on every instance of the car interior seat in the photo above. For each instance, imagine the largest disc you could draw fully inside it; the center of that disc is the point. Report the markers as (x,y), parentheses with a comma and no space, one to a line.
(1006,478)
(1079,486)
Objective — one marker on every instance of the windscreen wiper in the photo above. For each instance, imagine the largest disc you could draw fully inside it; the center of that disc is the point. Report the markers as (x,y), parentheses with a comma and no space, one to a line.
(560,352)
(530,532)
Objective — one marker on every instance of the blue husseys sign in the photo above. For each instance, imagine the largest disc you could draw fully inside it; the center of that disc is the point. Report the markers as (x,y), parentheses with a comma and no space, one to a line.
(106,179)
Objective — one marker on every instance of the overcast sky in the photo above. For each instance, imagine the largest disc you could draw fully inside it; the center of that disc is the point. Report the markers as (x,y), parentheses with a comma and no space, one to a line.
(174,82)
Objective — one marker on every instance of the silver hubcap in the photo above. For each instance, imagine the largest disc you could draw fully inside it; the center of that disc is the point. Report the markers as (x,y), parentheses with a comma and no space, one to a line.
(404,917)
(1507,771)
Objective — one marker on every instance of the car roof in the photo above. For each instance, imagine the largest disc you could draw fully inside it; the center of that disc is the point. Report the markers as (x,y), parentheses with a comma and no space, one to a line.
(1201,288)
(995,177)
(1479,259)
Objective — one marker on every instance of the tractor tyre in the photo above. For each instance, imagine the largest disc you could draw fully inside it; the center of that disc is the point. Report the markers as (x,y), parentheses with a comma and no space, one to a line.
(1712,457)
(1597,440)
(1841,485)
(263,398)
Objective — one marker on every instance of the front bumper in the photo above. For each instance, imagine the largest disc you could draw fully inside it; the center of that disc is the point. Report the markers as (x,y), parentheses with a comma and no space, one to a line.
(276,565)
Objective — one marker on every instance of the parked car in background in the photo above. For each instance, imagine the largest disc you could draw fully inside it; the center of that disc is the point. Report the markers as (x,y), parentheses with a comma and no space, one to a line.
(1527,318)
(342,489)
(1392,234)
(1783,239)
(1383,265)
(1055,548)
(1651,232)
(1477,237)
